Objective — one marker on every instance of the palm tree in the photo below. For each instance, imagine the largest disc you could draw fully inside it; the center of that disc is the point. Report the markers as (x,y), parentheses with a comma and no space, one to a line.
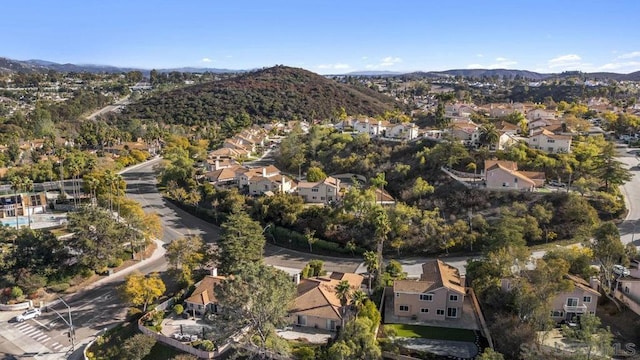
(16,185)
(489,135)
(27,186)
(379,181)
(109,180)
(372,264)
(358,298)
(93,184)
(343,292)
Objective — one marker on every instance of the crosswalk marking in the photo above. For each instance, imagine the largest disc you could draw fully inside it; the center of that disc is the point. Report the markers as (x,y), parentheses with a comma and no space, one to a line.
(41,337)
(56,346)
(30,331)
(23,325)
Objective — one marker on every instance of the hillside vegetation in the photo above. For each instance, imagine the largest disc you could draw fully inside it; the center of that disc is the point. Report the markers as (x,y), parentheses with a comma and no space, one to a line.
(274,93)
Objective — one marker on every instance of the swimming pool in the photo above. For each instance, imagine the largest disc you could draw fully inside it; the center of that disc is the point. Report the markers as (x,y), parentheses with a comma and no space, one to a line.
(12,221)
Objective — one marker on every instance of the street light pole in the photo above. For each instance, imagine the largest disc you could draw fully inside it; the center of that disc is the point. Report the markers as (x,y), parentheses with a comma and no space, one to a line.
(72,332)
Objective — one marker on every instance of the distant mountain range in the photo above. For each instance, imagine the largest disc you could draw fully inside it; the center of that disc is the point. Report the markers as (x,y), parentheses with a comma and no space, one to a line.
(10,65)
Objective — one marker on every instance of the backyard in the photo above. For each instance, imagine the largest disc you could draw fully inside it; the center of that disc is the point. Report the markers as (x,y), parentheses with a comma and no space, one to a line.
(432,332)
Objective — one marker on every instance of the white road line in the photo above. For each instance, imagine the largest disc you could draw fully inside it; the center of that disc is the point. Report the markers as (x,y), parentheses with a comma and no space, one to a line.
(56,346)
(31,331)
(23,326)
(43,337)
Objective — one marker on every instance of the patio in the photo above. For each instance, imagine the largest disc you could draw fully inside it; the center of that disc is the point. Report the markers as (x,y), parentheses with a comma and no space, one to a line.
(305,334)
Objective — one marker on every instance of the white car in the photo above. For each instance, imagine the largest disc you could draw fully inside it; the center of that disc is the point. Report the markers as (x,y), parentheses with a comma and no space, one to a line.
(621,270)
(29,314)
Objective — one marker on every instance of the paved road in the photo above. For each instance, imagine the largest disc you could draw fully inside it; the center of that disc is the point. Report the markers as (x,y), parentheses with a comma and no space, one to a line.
(97,308)
(119,104)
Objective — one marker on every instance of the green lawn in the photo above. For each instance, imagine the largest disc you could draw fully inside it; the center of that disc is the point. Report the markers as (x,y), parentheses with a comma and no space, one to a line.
(432,332)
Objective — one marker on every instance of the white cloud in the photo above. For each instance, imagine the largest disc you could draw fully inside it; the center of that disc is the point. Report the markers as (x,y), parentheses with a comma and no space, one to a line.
(501,63)
(629,66)
(630,55)
(479,55)
(337,66)
(206,60)
(388,61)
(565,61)
(365,57)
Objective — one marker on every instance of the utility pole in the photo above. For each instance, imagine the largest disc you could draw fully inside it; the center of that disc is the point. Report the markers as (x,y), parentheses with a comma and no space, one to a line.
(72,331)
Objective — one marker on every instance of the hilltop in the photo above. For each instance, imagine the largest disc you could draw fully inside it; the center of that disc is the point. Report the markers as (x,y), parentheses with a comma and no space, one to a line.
(278,92)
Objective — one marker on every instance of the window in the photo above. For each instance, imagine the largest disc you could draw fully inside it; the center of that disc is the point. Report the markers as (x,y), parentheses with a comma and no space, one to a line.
(515,180)
(534,139)
(321,197)
(586,299)
(592,312)
(452,312)
(302,320)
(331,325)
(626,289)
(556,313)
(315,190)
(397,294)
(453,297)
(424,310)
(426,297)
(550,141)
(404,308)
(572,302)
(439,312)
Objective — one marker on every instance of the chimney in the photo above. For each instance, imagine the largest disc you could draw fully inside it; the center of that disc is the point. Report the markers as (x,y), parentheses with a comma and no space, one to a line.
(264,172)
(217,166)
(463,280)
(214,271)
(283,181)
(296,278)
(594,283)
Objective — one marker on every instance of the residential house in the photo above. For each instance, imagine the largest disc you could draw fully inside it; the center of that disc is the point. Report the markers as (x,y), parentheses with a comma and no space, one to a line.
(537,114)
(23,204)
(434,134)
(438,294)
(404,131)
(223,176)
(317,305)
(507,127)
(259,185)
(628,292)
(549,142)
(203,299)
(506,140)
(581,299)
(468,133)
(325,191)
(505,175)
(229,153)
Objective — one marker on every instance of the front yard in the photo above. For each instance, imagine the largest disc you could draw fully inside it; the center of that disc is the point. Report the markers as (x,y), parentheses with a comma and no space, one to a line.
(431,332)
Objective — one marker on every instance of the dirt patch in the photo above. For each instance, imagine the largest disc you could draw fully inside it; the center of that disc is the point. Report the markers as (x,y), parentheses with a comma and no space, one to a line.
(624,325)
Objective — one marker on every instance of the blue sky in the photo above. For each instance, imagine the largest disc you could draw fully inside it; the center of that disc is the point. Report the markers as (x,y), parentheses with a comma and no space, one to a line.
(328,36)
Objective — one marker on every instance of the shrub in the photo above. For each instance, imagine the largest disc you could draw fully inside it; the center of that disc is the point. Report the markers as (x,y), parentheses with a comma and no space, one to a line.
(207,345)
(133,313)
(305,353)
(60,287)
(178,309)
(16,292)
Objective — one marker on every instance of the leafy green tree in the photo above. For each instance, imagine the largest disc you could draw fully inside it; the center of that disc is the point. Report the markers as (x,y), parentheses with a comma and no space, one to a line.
(242,242)
(315,173)
(489,134)
(137,347)
(490,354)
(596,340)
(141,290)
(41,252)
(257,296)
(311,239)
(609,170)
(608,250)
(282,208)
(421,187)
(356,341)
(185,254)
(98,239)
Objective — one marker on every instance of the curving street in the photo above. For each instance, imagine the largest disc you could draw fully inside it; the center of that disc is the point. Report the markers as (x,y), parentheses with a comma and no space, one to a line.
(99,307)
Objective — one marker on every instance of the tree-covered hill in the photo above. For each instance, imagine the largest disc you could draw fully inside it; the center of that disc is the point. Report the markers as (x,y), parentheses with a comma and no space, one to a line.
(274,93)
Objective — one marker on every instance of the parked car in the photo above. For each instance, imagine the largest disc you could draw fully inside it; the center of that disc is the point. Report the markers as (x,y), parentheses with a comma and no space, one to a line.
(557,183)
(621,270)
(29,314)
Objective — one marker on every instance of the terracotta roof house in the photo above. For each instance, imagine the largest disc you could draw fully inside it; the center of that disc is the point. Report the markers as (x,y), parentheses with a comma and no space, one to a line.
(549,142)
(507,127)
(437,295)
(505,175)
(317,305)
(203,298)
(324,191)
